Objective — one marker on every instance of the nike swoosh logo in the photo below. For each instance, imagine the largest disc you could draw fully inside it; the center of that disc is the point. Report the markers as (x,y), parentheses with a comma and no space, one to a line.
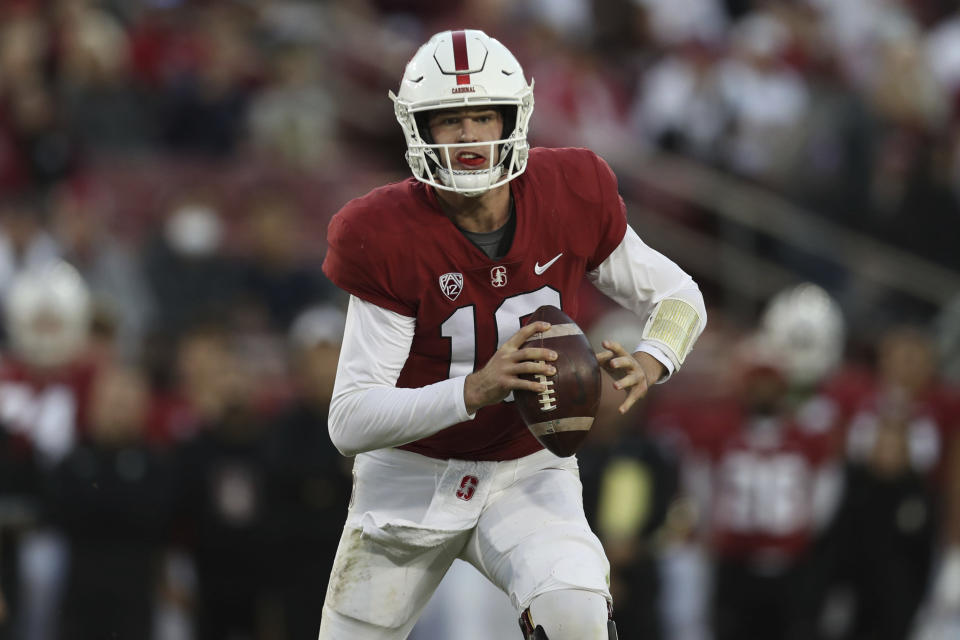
(537,269)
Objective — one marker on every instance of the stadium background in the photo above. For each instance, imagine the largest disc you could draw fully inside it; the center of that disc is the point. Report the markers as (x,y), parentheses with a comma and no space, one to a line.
(186,156)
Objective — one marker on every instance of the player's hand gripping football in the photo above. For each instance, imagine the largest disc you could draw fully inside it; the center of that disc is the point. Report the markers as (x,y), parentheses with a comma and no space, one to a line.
(633,373)
(501,375)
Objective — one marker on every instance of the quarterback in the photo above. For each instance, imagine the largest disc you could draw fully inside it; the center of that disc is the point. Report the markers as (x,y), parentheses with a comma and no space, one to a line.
(441,270)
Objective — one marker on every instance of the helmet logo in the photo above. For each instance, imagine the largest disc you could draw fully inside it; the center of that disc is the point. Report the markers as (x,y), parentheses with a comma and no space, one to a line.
(498,276)
(451,284)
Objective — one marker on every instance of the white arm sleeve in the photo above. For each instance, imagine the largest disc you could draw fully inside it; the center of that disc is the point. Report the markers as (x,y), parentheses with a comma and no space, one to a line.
(367,411)
(639,278)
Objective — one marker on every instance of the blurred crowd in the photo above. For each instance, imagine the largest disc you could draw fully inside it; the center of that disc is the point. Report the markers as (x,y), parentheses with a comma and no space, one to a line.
(167,172)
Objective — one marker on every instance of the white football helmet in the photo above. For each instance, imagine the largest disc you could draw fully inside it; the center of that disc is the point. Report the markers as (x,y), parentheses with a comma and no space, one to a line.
(458,69)
(804,333)
(48,313)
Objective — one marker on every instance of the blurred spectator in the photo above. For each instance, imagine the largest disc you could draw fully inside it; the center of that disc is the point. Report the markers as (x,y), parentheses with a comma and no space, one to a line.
(832,170)
(120,291)
(309,482)
(906,433)
(884,536)
(185,264)
(35,146)
(199,360)
(911,182)
(580,100)
(765,99)
(851,28)
(907,378)
(204,108)
(294,117)
(274,271)
(24,48)
(44,146)
(24,241)
(942,52)
(112,497)
(947,337)
(222,499)
(108,112)
(571,19)
(904,89)
(673,23)
(678,105)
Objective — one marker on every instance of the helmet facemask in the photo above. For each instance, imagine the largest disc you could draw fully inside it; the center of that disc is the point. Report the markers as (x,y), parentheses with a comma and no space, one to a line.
(507,156)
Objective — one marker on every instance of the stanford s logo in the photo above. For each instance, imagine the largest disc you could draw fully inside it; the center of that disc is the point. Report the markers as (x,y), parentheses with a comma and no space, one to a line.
(451,284)
(468,485)
(498,276)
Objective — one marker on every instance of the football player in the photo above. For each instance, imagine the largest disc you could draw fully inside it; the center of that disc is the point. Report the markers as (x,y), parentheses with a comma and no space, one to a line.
(769,487)
(441,270)
(902,446)
(45,379)
(760,461)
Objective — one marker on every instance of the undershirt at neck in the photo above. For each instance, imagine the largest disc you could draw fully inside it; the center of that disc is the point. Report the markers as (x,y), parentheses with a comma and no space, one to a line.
(495,244)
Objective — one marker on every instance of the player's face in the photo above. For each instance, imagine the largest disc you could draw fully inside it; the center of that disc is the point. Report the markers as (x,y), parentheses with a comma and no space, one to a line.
(469,124)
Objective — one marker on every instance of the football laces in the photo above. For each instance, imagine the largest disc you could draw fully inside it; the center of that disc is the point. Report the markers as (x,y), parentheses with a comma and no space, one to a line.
(546,398)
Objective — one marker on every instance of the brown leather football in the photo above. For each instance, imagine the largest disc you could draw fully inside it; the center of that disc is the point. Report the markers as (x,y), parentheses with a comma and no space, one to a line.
(561,417)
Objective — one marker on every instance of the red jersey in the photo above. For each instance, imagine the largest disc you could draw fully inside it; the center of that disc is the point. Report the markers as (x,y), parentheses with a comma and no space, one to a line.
(764,487)
(45,411)
(931,422)
(760,478)
(397,249)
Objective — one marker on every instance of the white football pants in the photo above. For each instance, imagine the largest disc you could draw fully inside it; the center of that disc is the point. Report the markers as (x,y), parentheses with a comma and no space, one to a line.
(519,522)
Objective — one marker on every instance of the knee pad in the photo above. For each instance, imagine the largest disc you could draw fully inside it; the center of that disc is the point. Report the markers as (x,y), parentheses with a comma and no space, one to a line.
(568,614)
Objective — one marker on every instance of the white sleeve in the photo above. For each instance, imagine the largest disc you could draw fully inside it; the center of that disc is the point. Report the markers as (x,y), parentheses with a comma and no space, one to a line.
(639,278)
(367,411)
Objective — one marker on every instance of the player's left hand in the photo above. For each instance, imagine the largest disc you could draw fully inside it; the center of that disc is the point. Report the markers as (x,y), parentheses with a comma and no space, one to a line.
(633,373)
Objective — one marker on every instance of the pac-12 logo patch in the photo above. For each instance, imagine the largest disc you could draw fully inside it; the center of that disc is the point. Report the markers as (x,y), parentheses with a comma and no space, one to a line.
(468,485)
(498,276)
(451,284)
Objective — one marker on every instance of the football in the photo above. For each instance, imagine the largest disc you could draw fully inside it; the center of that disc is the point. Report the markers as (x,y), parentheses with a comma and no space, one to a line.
(561,416)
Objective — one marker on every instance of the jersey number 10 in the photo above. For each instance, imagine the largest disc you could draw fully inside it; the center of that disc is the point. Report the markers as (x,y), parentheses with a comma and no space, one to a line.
(461,327)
